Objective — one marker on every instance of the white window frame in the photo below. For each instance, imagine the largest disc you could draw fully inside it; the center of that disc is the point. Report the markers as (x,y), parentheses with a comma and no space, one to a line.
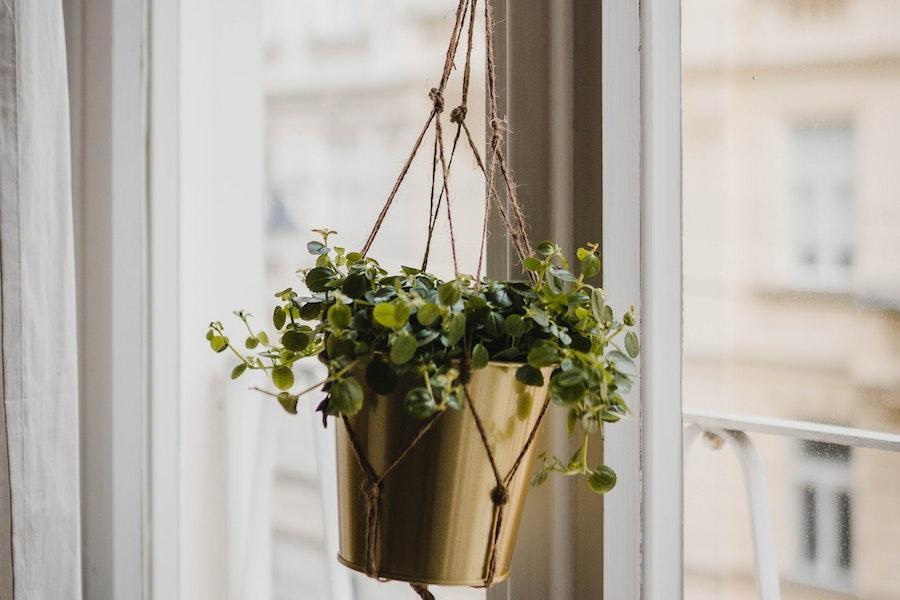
(106,54)
(640,128)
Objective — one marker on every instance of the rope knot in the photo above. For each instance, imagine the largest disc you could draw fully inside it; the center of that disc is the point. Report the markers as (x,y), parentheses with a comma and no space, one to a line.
(372,489)
(465,370)
(500,495)
(497,128)
(458,114)
(438,98)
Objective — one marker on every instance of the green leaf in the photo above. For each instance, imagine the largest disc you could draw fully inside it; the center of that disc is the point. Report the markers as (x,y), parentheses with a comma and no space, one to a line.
(546,248)
(288,402)
(354,257)
(356,285)
(530,376)
(571,421)
(533,263)
(403,348)
(480,356)
(622,362)
(514,325)
(346,396)
(632,346)
(278,317)
(590,265)
(428,314)
(392,315)
(238,370)
(380,377)
(310,311)
(262,337)
(607,313)
(602,479)
(218,343)
(317,248)
(295,341)
(419,403)
(543,355)
(449,294)
(539,316)
(339,316)
(568,378)
(456,328)
(283,377)
(562,275)
(338,346)
(598,302)
(318,278)
(251,342)
(494,325)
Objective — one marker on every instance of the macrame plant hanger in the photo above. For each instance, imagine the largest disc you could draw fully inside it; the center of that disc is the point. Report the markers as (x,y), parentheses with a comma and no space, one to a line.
(514,221)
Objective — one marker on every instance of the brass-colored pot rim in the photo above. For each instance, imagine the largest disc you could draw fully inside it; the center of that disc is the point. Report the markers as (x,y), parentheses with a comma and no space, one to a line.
(473,583)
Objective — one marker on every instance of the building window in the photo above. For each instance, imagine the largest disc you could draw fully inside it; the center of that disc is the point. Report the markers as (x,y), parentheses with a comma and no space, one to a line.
(823,216)
(340,21)
(825,532)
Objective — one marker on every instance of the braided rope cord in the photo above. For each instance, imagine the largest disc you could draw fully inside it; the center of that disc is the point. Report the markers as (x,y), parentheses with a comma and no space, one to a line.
(513,218)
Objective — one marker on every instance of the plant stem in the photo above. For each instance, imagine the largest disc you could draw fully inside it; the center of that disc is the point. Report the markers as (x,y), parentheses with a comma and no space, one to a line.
(584,449)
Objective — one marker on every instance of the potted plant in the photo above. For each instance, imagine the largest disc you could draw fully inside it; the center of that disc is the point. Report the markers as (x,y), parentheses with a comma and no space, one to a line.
(439,388)
(410,360)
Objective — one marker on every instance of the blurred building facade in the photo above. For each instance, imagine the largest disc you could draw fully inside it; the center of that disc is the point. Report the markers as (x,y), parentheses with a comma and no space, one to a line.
(791,118)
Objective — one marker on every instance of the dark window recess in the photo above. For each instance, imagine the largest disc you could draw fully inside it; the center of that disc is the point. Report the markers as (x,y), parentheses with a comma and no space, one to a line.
(810,541)
(826,451)
(845,531)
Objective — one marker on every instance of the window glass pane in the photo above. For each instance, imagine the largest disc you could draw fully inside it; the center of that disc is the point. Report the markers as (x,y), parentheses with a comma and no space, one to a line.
(346,94)
(835,526)
(791,125)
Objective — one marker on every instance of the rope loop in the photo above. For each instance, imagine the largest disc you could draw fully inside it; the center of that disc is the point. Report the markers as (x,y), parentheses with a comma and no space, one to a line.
(500,495)
(437,96)
(458,114)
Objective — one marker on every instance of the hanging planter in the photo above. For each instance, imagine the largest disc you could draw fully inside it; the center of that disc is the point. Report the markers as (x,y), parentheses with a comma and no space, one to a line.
(433,513)
(438,387)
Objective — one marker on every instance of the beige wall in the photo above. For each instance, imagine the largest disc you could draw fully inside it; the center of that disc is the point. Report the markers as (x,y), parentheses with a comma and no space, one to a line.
(754,342)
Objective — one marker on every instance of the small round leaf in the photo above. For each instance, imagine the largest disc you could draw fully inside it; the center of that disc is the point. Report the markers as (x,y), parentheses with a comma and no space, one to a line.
(339,316)
(346,396)
(632,346)
(283,377)
(480,356)
(238,370)
(530,376)
(278,317)
(428,314)
(419,403)
(448,293)
(602,479)
(403,348)
(295,341)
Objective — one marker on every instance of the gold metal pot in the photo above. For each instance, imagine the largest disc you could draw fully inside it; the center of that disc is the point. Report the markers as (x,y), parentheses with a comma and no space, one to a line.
(435,509)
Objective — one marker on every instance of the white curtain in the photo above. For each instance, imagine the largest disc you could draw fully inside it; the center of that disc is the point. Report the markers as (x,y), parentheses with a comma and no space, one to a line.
(39,503)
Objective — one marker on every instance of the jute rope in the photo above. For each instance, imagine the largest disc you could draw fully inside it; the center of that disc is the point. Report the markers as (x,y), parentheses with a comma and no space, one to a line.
(513,218)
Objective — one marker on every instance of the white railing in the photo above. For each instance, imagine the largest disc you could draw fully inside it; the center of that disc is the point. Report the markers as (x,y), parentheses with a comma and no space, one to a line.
(730,429)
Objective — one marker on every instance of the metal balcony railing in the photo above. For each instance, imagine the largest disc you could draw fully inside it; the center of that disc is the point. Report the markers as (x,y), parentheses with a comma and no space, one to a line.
(730,429)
